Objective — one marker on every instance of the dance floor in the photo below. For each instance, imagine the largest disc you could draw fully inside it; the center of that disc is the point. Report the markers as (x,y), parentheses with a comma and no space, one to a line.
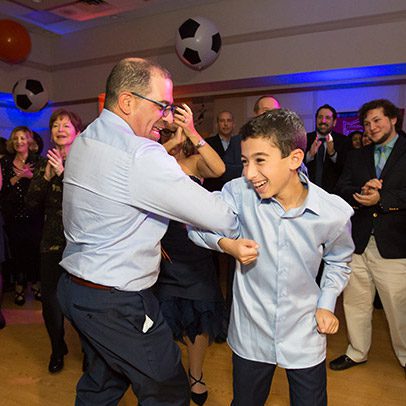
(24,378)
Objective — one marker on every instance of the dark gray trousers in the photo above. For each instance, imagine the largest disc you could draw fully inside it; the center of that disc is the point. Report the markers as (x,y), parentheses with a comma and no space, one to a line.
(119,352)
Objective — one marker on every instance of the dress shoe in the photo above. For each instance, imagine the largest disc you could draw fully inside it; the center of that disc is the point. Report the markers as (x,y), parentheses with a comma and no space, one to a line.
(2,321)
(344,362)
(55,364)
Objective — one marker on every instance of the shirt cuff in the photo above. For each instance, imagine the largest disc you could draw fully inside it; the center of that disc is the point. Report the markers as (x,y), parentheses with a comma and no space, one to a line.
(327,301)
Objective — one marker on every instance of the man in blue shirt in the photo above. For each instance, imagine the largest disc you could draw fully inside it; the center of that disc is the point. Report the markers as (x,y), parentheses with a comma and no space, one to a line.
(120,189)
(287,225)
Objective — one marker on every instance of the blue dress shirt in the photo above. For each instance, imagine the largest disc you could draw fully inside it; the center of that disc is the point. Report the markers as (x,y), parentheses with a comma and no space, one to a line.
(119,192)
(275,298)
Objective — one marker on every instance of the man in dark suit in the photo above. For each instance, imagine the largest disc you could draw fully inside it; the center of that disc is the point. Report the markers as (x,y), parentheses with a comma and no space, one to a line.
(326,150)
(220,143)
(374,182)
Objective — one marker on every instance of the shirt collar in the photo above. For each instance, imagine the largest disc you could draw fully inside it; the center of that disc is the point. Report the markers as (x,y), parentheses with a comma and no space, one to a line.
(311,202)
(390,144)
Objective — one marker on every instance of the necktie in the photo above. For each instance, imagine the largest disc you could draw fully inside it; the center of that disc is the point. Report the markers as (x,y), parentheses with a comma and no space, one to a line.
(320,163)
(382,151)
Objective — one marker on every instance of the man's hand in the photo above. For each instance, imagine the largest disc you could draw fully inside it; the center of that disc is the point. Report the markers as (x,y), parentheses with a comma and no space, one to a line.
(375,184)
(244,251)
(315,147)
(327,323)
(330,145)
(369,195)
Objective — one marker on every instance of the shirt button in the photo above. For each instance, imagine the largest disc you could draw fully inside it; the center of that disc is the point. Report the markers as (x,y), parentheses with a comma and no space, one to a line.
(375,215)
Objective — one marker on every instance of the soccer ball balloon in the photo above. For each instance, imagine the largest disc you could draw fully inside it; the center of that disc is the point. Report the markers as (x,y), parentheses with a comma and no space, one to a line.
(29,95)
(198,43)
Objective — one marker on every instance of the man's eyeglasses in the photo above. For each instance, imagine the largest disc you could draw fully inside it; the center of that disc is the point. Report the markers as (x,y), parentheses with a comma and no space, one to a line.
(165,108)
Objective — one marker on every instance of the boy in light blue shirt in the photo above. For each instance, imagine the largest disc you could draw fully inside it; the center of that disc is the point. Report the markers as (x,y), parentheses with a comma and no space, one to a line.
(287,226)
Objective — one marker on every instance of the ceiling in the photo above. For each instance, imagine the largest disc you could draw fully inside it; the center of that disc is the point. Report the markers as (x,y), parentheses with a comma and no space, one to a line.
(66,16)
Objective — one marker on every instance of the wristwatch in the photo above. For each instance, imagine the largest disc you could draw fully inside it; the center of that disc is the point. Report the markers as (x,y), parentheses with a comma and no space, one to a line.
(201,143)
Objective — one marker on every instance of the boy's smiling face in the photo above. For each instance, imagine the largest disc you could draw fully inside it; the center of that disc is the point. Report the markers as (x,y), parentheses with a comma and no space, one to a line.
(263,165)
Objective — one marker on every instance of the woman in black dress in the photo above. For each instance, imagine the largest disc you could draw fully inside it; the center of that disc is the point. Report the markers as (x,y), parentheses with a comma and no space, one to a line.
(187,286)
(23,228)
(45,197)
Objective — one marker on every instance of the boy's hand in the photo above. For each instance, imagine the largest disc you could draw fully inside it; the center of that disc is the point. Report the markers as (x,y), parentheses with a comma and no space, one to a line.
(244,251)
(327,323)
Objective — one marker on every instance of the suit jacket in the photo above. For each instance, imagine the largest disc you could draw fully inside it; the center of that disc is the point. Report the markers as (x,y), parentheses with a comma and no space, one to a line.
(331,170)
(212,184)
(387,219)
(231,158)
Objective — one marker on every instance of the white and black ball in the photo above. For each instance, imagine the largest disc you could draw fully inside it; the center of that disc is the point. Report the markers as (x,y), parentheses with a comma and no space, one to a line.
(198,42)
(30,95)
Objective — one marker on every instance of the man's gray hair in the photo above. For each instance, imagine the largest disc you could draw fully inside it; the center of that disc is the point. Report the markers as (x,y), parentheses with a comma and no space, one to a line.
(132,75)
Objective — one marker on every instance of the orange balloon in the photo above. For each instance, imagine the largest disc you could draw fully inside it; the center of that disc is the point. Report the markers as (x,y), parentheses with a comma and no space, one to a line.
(15,42)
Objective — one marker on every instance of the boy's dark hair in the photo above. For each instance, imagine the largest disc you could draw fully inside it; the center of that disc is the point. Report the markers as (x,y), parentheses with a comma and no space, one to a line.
(327,106)
(389,110)
(284,127)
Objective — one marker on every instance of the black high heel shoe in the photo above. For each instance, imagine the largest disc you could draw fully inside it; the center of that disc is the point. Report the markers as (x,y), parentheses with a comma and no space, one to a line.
(19,298)
(37,293)
(198,398)
(56,363)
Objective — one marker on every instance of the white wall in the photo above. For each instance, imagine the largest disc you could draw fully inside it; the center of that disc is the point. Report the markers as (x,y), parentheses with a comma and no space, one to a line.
(260,38)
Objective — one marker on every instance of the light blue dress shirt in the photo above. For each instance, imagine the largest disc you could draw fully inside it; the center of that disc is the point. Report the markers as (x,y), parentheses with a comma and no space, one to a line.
(275,299)
(119,192)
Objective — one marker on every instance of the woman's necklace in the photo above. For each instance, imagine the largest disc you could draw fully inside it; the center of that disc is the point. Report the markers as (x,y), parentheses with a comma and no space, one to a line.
(22,160)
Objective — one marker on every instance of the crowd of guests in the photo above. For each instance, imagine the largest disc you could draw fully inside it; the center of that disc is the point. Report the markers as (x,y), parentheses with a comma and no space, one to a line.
(294,175)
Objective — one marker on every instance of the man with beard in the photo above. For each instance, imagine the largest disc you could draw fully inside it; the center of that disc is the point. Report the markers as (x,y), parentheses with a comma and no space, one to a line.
(326,150)
(374,183)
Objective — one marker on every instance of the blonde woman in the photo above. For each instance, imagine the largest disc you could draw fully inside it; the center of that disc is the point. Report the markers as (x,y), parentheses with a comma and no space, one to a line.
(23,227)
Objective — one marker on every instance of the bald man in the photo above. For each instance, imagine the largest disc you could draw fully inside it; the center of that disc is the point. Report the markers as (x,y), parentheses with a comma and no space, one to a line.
(265,103)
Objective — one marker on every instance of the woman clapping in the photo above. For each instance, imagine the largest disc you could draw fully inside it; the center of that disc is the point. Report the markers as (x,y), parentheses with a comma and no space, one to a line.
(45,196)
